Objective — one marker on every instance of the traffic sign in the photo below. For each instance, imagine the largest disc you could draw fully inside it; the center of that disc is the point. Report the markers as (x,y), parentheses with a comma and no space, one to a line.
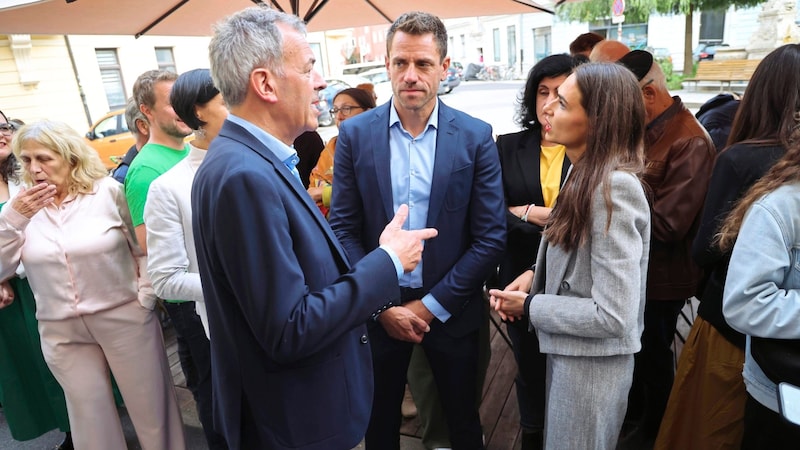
(618,7)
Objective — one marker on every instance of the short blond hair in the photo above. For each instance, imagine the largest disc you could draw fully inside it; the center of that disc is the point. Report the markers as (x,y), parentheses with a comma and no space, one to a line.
(58,137)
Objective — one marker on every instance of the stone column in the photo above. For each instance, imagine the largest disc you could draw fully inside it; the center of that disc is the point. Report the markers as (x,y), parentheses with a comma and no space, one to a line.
(776,27)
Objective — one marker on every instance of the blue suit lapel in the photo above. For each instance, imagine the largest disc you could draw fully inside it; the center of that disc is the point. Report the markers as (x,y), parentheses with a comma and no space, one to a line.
(382,156)
(235,132)
(447,140)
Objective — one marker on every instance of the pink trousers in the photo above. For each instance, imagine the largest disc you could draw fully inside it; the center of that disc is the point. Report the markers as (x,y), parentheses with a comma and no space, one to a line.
(128,340)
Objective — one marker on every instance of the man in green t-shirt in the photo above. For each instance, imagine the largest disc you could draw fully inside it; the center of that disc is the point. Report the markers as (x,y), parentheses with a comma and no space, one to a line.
(164,148)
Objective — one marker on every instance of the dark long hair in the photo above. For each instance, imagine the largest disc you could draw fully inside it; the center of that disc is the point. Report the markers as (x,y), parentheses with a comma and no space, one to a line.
(549,67)
(766,115)
(785,171)
(614,107)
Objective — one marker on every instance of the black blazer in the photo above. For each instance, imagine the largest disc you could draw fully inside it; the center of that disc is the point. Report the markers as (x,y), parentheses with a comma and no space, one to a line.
(520,161)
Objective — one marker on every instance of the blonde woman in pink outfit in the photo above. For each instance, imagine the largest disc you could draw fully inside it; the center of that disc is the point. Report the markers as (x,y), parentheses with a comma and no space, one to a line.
(72,230)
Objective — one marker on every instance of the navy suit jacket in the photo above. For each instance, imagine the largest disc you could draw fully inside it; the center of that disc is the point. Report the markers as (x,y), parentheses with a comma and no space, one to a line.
(291,364)
(466,206)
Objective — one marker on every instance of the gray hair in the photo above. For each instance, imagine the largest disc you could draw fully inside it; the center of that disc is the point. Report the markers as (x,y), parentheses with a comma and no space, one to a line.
(132,114)
(245,41)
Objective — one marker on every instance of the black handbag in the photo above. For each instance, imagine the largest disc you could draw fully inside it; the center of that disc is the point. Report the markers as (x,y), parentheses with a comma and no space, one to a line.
(779,359)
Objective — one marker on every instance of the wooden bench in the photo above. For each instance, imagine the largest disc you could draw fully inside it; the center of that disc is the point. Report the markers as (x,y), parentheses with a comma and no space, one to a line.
(724,72)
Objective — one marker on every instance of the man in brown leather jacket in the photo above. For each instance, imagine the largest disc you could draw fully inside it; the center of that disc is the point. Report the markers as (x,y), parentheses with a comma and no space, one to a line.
(679,156)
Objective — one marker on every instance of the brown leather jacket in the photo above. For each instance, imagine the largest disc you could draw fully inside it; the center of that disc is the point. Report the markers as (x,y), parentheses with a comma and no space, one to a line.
(680,156)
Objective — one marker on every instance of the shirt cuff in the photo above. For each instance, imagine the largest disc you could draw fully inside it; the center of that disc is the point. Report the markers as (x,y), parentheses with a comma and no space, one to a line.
(436,308)
(398,266)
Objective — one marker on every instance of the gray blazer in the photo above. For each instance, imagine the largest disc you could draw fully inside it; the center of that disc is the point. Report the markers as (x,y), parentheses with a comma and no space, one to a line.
(590,301)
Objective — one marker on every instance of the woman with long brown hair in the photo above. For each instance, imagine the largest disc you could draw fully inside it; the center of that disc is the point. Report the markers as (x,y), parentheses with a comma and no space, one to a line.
(706,405)
(585,296)
(762,290)
(533,171)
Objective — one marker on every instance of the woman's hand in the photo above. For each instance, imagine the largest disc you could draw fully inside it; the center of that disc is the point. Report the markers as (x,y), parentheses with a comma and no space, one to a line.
(518,211)
(6,294)
(29,201)
(522,283)
(508,304)
(315,193)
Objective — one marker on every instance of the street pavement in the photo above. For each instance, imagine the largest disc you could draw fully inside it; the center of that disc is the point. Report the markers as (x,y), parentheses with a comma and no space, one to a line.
(495,103)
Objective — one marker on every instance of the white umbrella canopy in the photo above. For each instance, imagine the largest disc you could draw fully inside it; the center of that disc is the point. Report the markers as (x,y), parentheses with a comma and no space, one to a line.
(196,17)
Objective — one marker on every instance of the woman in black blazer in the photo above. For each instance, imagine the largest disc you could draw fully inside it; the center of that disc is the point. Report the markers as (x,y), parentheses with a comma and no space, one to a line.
(533,171)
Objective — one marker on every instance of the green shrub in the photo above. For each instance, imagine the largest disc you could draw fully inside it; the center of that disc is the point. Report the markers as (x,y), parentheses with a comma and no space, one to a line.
(673,79)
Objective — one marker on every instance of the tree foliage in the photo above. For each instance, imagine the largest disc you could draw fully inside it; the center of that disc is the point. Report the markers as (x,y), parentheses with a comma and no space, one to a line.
(637,11)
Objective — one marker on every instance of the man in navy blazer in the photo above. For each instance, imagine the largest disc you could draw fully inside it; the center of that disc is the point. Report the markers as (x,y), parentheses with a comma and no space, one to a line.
(444,165)
(290,356)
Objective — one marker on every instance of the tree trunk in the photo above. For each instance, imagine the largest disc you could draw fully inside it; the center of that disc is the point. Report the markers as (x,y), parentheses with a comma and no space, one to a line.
(688,58)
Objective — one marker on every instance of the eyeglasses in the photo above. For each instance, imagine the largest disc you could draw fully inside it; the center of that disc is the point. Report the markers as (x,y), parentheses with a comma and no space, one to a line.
(7,129)
(346,110)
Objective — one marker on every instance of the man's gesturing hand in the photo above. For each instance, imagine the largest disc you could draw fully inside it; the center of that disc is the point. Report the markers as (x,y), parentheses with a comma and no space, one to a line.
(407,244)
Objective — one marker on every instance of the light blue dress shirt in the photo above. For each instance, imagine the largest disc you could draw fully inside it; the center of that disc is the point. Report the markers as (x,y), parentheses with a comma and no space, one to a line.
(412,160)
(286,154)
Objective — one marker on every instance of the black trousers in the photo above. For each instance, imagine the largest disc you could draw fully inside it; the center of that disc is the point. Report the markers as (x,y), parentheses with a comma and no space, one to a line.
(654,366)
(194,353)
(454,364)
(764,429)
(531,375)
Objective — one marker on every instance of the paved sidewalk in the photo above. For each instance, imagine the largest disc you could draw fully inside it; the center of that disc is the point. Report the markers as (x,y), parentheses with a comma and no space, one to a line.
(195,439)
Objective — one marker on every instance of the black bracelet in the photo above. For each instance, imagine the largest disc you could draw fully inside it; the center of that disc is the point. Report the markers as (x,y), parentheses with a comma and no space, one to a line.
(383,308)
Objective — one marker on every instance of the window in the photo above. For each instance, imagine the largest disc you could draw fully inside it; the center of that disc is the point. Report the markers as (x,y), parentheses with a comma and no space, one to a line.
(166,61)
(463,46)
(512,45)
(712,25)
(111,75)
(496,44)
(541,43)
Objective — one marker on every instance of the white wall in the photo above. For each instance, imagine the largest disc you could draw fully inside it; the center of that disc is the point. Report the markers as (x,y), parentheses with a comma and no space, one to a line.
(54,96)
(135,57)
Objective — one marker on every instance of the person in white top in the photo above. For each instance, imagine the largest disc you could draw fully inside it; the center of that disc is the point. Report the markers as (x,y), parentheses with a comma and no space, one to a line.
(73,231)
(172,260)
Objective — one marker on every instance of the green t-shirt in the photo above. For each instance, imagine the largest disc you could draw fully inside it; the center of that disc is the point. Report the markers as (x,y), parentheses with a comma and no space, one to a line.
(152,161)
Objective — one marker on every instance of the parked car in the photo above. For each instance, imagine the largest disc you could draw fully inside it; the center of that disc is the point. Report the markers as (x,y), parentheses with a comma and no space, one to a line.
(325,118)
(706,51)
(341,82)
(660,54)
(110,138)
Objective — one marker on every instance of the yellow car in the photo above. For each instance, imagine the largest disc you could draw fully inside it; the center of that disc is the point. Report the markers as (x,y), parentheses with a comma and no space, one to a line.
(110,137)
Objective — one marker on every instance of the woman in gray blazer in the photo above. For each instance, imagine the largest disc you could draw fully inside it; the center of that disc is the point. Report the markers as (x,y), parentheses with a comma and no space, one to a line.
(586,299)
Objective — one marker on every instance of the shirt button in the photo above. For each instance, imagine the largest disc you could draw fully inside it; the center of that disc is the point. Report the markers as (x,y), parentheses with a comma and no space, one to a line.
(564,286)
(364,339)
